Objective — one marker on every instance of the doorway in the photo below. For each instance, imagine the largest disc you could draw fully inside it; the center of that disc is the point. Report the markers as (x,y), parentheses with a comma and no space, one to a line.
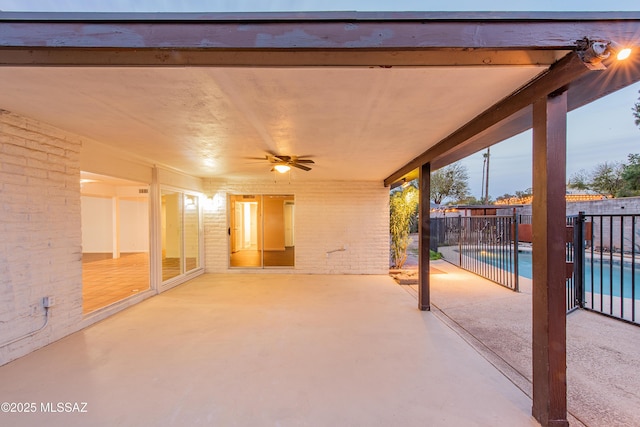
(261,231)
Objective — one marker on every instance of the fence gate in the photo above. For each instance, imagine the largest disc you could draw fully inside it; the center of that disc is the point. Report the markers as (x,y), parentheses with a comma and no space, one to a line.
(609,265)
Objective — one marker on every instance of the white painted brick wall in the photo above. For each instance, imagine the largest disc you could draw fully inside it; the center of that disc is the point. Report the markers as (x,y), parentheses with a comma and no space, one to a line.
(40,248)
(328,216)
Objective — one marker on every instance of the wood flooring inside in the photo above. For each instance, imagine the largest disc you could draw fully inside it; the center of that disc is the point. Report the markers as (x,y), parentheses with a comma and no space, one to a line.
(251,258)
(106,280)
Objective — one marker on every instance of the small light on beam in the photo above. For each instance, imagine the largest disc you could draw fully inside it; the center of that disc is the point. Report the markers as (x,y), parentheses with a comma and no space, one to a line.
(623,53)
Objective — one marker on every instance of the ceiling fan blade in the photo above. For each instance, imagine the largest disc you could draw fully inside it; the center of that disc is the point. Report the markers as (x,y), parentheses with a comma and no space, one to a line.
(303,161)
(283,159)
(303,167)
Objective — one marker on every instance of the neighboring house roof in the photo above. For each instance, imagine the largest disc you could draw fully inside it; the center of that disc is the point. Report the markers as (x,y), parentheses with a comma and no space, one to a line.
(370,96)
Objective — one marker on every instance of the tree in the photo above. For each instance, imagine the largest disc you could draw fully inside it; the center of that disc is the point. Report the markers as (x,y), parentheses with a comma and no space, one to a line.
(521,194)
(605,179)
(631,175)
(403,212)
(580,180)
(449,182)
(469,200)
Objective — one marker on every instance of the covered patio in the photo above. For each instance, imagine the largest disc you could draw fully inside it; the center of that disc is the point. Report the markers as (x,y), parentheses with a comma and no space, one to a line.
(287,350)
(376,98)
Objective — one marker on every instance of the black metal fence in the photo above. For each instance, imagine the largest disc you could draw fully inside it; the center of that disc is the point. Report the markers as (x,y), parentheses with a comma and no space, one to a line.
(484,245)
(602,257)
(610,265)
(573,259)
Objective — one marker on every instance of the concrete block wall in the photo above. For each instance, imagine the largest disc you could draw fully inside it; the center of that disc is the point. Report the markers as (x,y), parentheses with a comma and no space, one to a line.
(40,248)
(625,205)
(329,216)
(611,234)
(616,234)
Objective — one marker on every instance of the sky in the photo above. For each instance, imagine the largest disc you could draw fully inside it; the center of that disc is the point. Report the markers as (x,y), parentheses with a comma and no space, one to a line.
(601,131)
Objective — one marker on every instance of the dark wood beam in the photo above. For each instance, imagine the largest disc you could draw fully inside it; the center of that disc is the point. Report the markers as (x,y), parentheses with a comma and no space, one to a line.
(212,57)
(549,310)
(424,234)
(312,16)
(350,32)
(587,88)
(323,33)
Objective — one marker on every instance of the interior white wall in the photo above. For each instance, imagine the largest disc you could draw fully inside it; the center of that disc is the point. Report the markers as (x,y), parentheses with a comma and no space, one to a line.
(97,224)
(134,225)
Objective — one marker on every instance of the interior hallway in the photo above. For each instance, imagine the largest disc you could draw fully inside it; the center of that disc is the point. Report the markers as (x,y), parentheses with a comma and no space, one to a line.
(258,349)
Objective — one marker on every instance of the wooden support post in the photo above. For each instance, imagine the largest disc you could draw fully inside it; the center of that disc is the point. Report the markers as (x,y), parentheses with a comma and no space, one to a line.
(424,230)
(549,211)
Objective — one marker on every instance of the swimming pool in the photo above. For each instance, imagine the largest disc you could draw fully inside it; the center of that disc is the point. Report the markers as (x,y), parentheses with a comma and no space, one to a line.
(602,274)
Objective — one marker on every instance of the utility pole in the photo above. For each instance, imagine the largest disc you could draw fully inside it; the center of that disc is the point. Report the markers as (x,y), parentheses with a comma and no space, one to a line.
(484,166)
(486,156)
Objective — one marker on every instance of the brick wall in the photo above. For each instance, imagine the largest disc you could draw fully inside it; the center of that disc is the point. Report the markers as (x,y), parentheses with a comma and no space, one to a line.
(40,248)
(328,216)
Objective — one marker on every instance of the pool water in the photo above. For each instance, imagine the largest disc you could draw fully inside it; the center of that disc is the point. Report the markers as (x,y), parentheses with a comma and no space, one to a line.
(601,274)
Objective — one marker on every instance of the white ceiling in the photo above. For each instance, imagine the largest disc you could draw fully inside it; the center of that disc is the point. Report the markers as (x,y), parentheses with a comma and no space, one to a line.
(356,123)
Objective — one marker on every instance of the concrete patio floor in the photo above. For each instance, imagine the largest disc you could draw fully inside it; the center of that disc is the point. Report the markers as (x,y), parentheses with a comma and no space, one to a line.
(603,354)
(261,350)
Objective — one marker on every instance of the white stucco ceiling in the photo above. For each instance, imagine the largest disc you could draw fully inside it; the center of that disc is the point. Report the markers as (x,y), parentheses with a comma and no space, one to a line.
(355,123)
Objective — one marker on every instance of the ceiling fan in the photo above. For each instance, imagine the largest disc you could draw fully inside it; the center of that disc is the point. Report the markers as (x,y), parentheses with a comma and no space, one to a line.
(283,164)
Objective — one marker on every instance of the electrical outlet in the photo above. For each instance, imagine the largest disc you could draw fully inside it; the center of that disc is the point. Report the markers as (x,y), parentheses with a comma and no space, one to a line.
(48,302)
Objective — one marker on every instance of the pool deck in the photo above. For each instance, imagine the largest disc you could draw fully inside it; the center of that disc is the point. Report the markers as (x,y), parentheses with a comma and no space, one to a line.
(603,354)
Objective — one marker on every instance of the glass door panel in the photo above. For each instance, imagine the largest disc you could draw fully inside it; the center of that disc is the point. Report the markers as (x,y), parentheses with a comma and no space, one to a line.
(171,226)
(279,246)
(191,232)
(245,231)
(261,231)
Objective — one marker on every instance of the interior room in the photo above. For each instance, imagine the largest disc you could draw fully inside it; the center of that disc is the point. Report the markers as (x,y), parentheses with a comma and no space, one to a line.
(115,240)
(261,232)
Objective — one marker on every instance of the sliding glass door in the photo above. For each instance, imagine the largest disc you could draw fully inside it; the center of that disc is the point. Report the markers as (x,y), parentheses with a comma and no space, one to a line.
(180,233)
(261,231)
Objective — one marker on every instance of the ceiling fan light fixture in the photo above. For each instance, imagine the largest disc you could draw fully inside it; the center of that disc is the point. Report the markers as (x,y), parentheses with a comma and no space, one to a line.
(282,168)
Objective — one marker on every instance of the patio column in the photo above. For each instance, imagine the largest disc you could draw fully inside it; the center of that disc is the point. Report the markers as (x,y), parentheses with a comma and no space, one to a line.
(549,211)
(424,235)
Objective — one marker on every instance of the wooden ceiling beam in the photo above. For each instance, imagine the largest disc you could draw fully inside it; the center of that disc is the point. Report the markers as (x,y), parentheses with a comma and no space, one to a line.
(317,32)
(110,57)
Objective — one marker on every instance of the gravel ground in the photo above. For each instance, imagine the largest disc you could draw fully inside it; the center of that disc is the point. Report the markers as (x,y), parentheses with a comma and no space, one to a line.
(603,355)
